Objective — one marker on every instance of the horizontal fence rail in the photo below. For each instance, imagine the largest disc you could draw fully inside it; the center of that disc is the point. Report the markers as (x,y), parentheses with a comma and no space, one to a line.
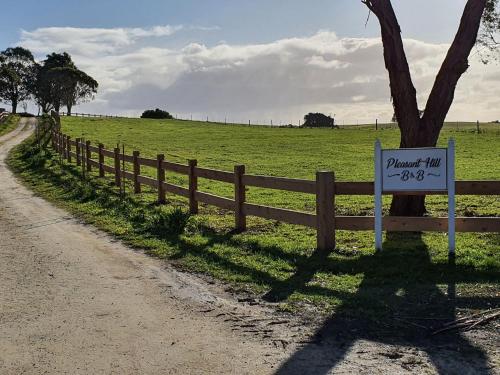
(325,188)
(75,114)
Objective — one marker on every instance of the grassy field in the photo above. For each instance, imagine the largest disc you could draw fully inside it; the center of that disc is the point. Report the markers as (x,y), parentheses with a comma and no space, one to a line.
(277,261)
(296,153)
(8,125)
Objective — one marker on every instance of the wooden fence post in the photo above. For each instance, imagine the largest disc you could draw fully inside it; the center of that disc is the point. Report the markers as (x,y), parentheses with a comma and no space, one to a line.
(325,210)
(118,180)
(68,143)
(88,155)
(65,142)
(239,198)
(161,178)
(137,172)
(59,145)
(84,160)
(101,160)
(78,156)
(193,186)
(63,146)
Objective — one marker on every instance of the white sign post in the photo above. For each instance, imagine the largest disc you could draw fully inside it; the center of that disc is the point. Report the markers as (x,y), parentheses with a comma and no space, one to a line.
(415,170)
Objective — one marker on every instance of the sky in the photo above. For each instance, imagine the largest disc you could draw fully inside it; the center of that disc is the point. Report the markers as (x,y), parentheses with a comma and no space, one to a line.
(241,60)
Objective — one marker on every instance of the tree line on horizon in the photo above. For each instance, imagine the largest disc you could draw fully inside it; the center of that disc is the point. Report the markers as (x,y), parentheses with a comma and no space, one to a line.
(51,84)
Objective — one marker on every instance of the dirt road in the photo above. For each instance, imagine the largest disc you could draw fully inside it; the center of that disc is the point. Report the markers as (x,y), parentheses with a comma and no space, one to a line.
(75,301)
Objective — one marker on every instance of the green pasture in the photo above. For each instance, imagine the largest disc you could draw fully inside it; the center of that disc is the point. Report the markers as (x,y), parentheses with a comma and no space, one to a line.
(295,153)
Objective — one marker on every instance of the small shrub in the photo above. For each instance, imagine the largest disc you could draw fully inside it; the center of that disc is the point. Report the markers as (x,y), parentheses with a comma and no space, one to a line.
(167,222)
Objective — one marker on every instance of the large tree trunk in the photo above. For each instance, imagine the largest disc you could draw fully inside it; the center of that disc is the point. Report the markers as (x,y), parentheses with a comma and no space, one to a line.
(14,106)
(69,107)
(416,131)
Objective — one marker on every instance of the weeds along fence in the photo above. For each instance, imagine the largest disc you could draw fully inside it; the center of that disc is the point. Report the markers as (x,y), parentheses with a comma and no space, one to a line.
(325,188)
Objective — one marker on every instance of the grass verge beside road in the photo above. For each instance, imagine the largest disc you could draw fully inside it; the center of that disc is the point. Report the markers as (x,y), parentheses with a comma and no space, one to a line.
(9,124)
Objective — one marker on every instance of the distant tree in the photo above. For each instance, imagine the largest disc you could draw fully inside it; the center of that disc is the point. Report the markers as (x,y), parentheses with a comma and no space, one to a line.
(76,86)
(42,89)
(318,120)
(156,114)
(16,76)
(60,83)
(49,84)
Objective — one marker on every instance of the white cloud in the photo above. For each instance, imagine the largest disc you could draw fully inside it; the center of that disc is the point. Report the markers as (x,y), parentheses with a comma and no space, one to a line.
(89,41)
(282,80)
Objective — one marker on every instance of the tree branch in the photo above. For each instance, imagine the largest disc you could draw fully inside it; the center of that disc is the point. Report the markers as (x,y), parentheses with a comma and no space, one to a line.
(402,90)
(454,65)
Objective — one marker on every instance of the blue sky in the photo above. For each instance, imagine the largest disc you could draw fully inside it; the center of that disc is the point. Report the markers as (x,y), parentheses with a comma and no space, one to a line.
(247,59)
(241,21)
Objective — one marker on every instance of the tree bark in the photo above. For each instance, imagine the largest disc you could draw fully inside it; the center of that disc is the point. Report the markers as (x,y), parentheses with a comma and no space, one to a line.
(454,65)
(416,131)
(69,107)
(14,106)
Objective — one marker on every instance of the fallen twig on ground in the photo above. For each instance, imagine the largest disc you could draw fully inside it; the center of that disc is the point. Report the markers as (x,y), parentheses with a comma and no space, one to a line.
(470,322)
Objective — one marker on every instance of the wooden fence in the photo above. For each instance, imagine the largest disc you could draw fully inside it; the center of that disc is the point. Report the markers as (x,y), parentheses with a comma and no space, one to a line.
(76,114)
(325,188)
(4,116)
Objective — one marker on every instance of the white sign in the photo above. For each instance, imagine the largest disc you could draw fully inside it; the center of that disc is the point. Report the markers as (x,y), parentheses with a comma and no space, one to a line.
(414,169)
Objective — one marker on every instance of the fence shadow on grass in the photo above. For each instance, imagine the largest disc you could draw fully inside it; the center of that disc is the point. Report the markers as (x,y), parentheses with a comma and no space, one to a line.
(411,300)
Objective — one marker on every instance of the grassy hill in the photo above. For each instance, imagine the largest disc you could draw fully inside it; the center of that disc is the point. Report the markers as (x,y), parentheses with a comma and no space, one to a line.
(277,260)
